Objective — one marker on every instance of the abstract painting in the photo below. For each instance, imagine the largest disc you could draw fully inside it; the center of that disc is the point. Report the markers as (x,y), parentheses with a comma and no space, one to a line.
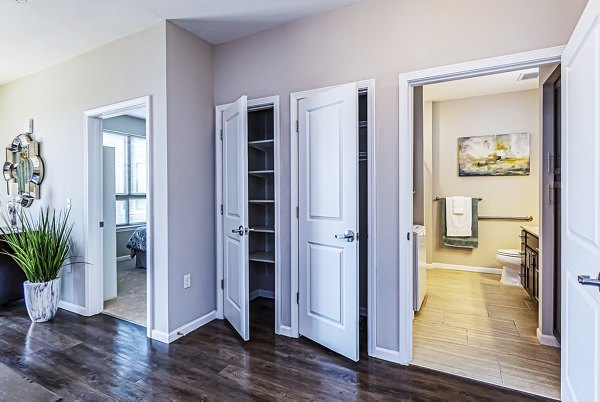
(494,155)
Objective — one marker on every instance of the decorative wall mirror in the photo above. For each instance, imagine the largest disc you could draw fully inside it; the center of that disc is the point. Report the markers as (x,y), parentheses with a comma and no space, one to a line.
(23,170)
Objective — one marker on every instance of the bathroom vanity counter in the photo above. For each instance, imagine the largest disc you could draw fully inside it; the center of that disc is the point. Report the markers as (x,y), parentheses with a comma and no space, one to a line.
(530,269)
(534,230)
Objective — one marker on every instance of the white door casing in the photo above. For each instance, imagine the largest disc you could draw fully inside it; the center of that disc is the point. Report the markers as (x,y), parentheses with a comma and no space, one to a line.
(235,216)
(328,206)
(109,228)
(580,334)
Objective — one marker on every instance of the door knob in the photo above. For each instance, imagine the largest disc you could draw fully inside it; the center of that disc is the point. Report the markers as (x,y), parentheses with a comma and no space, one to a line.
(589,281)
(239,230)
(348,235)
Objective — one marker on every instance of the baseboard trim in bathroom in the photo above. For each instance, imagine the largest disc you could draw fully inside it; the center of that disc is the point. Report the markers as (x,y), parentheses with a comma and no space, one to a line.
(548,340)
(468,268)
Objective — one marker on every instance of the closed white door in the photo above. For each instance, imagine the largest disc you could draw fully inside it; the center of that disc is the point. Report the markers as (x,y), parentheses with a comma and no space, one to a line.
(328,219)
(109,228)
(235,216)
(581,210)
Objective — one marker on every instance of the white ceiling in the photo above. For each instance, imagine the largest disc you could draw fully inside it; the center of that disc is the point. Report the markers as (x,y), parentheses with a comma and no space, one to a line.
(480,86)
(41,33)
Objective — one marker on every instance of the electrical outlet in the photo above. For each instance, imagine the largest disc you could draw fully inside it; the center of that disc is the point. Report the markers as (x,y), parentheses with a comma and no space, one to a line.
(187,281)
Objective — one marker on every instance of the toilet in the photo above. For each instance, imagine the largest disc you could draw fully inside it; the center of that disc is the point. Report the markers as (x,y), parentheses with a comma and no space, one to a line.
(511,266)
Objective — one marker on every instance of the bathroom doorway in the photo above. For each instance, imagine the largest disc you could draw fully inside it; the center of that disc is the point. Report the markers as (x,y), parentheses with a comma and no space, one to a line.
(479,199)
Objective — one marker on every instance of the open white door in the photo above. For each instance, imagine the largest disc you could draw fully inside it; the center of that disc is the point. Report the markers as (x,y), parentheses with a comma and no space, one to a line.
(235,216)
(109,228)
(581,210)
(328,219)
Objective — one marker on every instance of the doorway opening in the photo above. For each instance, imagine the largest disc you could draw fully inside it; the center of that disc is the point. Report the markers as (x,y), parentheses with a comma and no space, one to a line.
(248,215)
(322,238)
(125,215)
(482,297)
(118,203)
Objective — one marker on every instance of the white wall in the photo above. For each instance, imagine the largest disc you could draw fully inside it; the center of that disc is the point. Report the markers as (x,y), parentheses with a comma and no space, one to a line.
(191,186)
(514,112)
(380,39)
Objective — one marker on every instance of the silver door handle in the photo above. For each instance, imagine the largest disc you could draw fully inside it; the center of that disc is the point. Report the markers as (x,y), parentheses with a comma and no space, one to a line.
(348,235)
(239,230)
(589,281)
(248,230)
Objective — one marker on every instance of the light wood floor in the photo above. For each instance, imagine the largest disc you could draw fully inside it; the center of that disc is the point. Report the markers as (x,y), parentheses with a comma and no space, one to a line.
(473,326)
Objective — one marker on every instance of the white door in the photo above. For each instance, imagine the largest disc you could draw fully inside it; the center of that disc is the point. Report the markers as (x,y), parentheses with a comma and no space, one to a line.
(328,219)
(235,216)
(580,170)
(109,228)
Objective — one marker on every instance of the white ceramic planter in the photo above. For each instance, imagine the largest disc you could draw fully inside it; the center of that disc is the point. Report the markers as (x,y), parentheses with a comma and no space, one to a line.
(41,299)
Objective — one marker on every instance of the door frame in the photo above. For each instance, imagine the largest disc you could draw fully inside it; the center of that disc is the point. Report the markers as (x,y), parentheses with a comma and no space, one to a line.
(548,210)
(407,82)
(92,205)
(269,101)
(295,97)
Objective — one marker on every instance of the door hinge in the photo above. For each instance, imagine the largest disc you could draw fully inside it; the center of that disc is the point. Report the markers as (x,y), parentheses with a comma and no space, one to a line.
(297,297)
(101,224)
(297,126)
(222,283)
(221,209)
(407,235)
(221,135)
(297,213)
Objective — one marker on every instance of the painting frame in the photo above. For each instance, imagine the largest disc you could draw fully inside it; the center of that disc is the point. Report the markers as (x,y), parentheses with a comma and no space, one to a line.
(494,155)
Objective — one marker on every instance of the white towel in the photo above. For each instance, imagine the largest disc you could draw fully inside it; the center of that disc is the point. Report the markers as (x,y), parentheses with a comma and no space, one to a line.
(459,204)
(459,225)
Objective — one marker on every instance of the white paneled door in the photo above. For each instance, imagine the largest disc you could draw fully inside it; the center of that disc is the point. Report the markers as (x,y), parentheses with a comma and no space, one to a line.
(580,169)
(109,227)
(235,216)
(328,219)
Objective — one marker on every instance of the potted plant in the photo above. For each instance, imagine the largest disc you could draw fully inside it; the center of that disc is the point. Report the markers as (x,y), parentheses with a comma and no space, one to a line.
(41,248)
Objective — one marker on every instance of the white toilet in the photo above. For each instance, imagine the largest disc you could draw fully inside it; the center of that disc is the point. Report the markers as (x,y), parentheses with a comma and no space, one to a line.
(511,266)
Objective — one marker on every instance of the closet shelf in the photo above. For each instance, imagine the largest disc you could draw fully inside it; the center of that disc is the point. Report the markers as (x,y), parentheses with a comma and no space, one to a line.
(261,201)
(262,144)
(261,173)
(262,256)
(264,229)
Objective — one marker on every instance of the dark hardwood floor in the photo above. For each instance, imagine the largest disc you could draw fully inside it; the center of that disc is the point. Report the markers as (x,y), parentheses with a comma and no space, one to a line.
(102,358)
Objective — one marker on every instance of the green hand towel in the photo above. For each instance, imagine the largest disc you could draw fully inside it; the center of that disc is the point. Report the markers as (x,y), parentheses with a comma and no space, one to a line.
(463,242)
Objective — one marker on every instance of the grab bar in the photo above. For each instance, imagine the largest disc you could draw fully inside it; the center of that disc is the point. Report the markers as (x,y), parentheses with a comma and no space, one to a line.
(506,218)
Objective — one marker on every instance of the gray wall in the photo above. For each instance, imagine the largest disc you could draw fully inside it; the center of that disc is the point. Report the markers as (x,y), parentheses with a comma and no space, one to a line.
(380,39)
(57,98)
(191,185)
(122,238)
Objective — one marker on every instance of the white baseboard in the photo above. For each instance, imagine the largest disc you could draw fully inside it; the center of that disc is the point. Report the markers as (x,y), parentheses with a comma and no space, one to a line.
(429,266)
(73,308)
(268,294)
(388,354)
(124,258)
(468,268)
(548,340)
(285,331)
(184,329)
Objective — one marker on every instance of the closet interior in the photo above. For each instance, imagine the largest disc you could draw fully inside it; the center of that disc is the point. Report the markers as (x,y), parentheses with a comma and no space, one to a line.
(363,202)
(261,202)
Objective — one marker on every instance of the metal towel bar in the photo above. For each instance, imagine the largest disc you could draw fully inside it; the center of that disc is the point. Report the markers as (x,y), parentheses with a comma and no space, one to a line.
(499,218)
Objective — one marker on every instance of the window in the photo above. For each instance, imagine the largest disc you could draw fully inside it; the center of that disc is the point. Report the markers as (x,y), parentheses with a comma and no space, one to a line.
(130,176)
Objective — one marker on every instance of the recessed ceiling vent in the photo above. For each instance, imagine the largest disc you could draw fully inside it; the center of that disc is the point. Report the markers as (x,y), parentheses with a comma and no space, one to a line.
(528,76)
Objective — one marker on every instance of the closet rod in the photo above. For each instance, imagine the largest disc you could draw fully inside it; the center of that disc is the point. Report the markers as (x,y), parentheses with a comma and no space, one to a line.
(438,198)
